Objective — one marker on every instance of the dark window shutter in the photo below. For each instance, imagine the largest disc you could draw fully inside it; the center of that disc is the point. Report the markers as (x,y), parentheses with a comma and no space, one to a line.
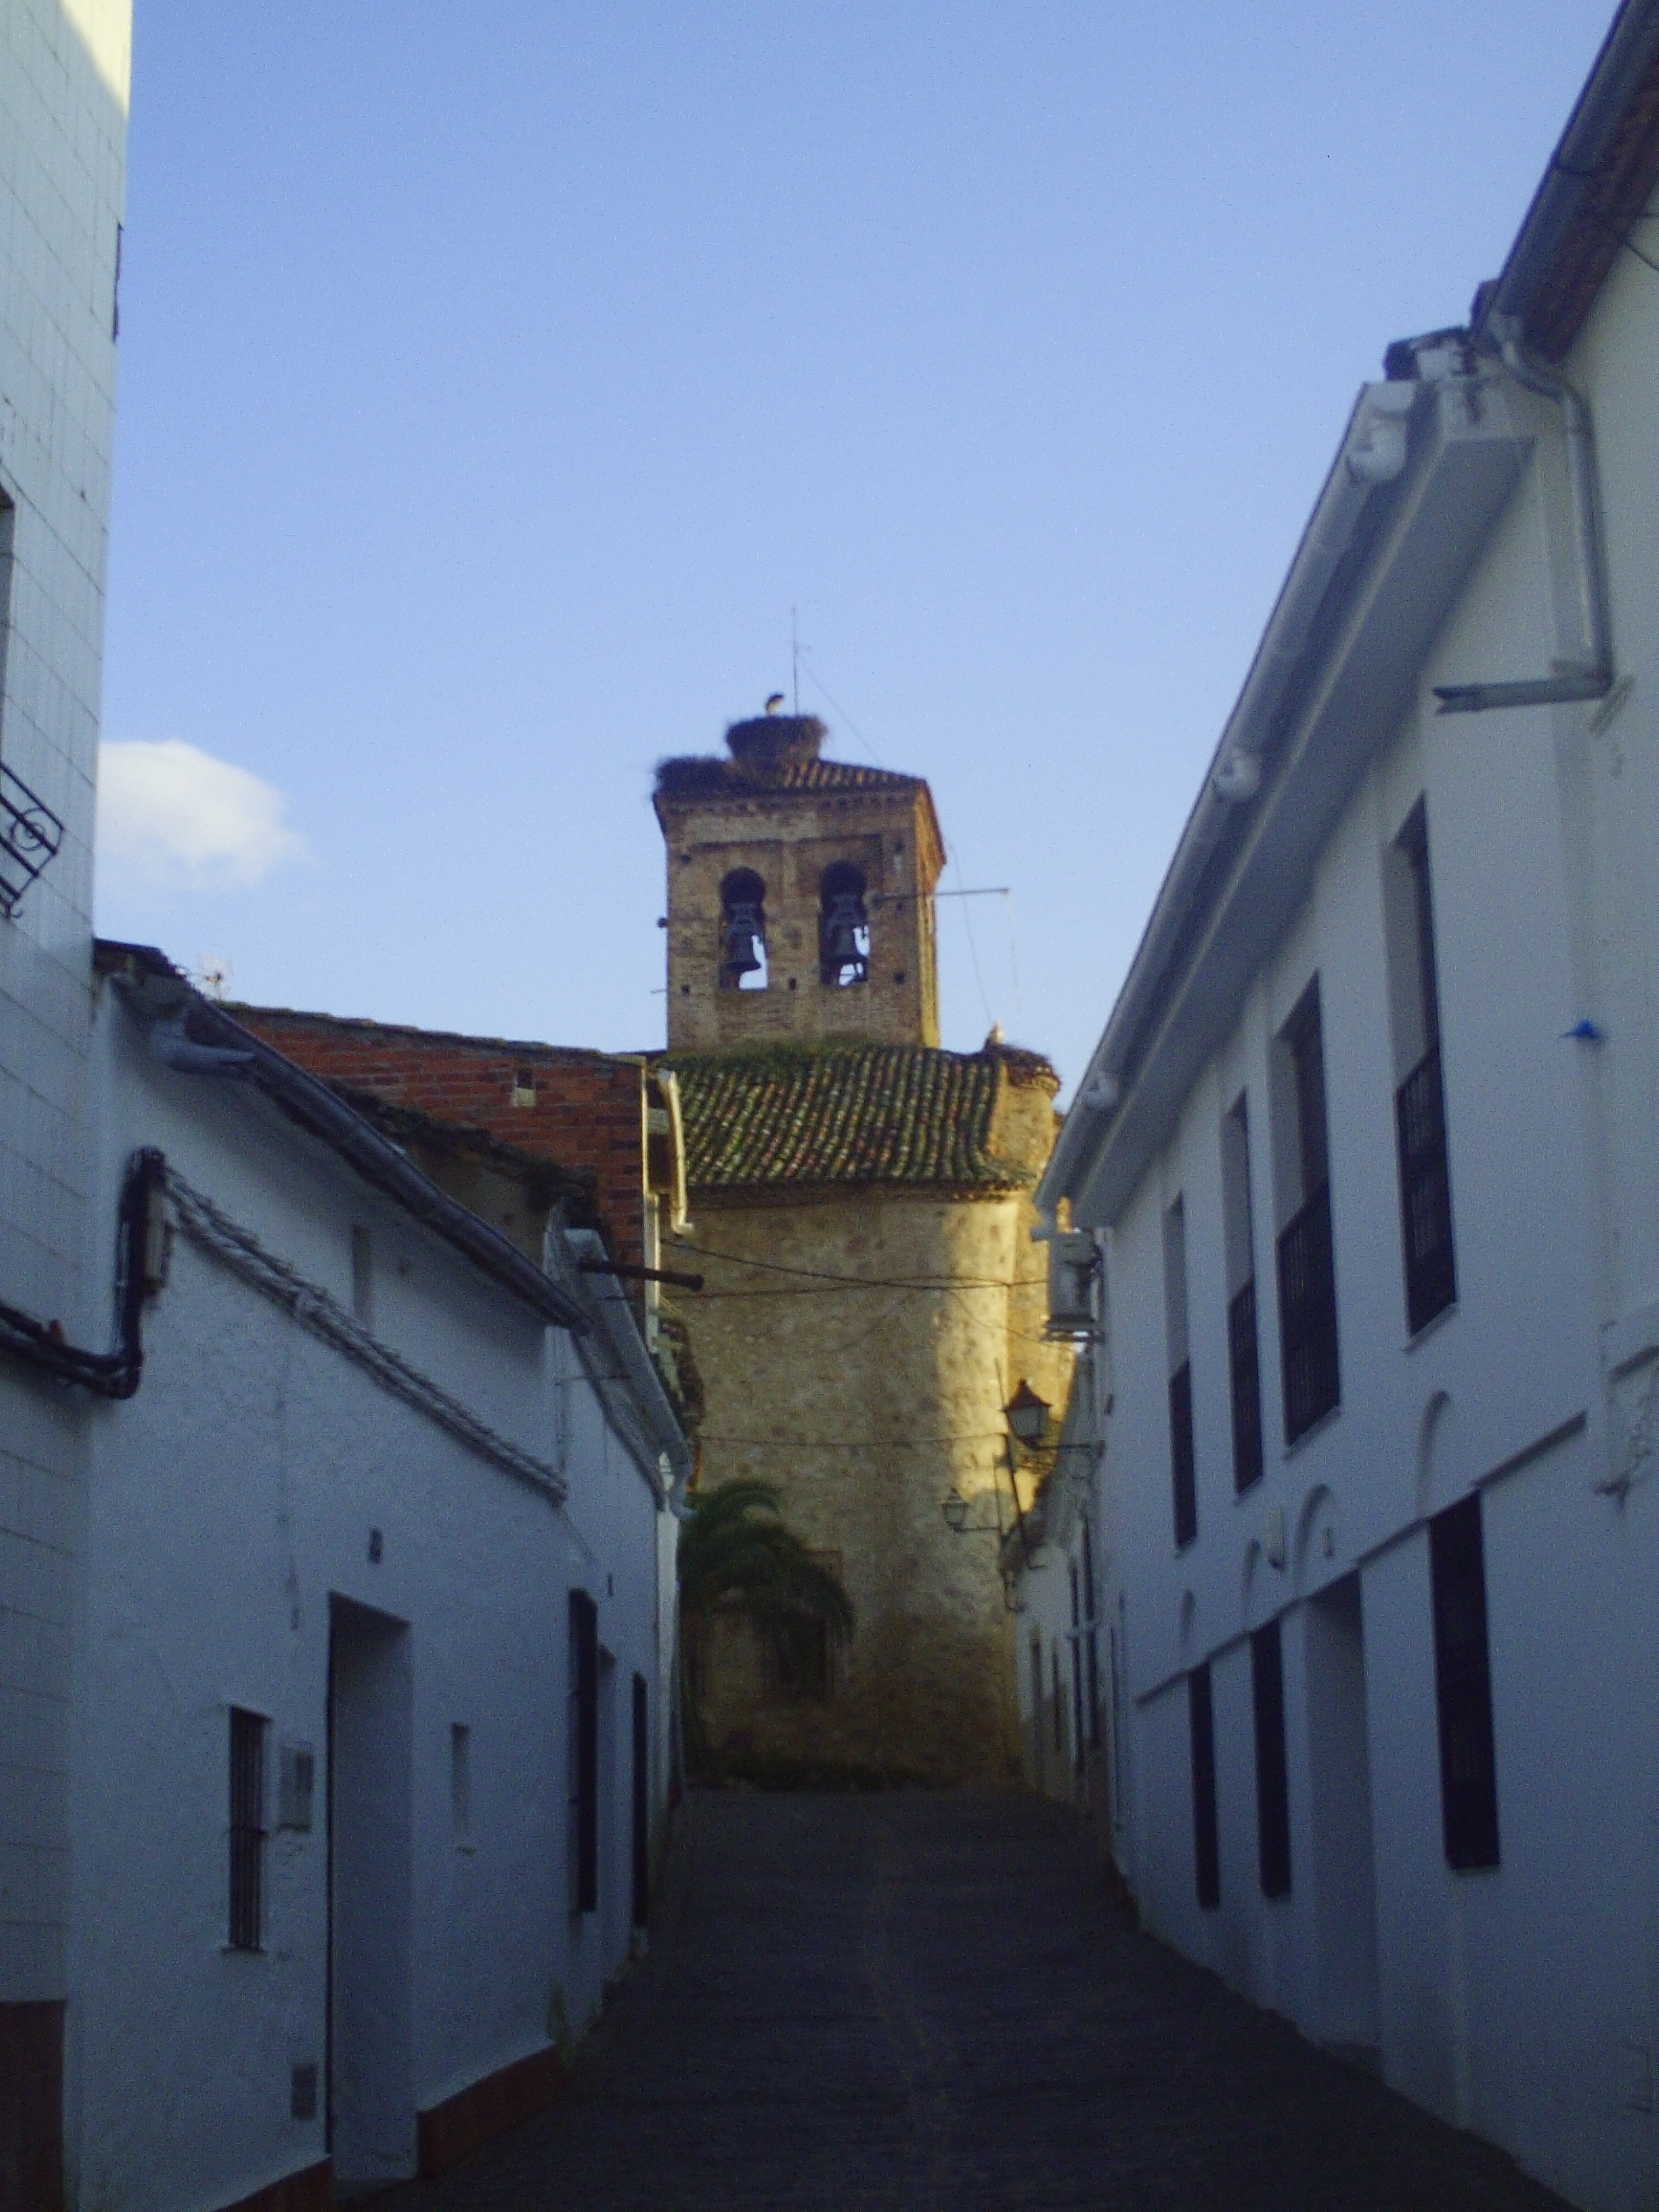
(1273,1795)
(1206,1835)
(1183,1458)
(584,1717)
(248,1829)
(1462,1677)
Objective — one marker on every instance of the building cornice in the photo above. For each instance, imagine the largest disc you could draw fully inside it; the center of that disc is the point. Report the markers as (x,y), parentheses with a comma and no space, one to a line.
(1384,556)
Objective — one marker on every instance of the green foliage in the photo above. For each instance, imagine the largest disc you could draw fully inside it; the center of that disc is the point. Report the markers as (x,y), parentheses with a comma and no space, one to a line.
(737,1554)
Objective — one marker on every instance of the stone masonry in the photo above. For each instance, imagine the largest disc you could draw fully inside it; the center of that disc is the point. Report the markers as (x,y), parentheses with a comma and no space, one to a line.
(775,810)
(859,1206)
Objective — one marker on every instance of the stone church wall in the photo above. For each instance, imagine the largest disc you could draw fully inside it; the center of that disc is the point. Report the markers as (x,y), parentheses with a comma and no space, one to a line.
(865,1405)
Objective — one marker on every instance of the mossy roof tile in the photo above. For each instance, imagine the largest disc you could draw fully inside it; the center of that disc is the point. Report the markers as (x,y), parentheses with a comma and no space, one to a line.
(846,1114)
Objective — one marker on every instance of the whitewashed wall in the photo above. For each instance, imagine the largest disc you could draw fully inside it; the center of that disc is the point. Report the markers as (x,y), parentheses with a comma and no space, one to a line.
(228,1504)
(1521,2001)
(63,130)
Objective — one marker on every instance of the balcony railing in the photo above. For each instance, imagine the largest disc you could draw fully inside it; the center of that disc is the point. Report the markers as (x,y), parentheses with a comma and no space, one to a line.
(1307,1316)
(30,833)
(1419,1110)
(1245,1368)
(1183,1465)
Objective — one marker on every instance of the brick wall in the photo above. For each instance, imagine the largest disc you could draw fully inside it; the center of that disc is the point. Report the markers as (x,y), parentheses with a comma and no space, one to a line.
(587,1110)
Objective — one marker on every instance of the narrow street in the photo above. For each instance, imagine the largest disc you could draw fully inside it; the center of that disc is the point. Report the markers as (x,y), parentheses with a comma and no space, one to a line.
(925,2002)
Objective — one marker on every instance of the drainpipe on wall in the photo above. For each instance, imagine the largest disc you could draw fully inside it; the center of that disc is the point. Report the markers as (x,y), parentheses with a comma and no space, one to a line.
(1589,676)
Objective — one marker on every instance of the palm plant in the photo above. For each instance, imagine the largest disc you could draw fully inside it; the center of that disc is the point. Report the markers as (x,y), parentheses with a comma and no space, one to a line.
(737,1554)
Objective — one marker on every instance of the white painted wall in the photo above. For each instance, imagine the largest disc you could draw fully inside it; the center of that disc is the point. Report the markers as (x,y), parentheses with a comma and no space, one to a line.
(228,1518)
(1522,2001)
(63,131)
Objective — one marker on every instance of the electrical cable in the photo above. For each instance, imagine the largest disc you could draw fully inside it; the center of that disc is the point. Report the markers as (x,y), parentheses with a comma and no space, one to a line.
(856,1282)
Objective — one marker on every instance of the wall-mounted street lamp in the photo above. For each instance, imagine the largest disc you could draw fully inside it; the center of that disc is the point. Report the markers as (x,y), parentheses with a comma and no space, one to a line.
(954,1507)
(1027,1415)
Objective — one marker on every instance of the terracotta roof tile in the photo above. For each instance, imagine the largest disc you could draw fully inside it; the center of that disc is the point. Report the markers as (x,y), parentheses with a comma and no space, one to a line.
(697,776)
(848,1113)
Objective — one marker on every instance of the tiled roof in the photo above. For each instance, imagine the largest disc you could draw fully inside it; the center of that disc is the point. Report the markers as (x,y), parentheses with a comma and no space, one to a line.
(848,1114)
(693,776)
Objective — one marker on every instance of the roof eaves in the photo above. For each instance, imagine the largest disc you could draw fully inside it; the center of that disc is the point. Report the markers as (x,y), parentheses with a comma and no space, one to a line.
(156,991)
(1597,182)
(1378,565)
(364,1027)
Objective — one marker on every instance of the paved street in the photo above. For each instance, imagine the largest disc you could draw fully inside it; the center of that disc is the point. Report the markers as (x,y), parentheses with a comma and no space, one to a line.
(924,2002)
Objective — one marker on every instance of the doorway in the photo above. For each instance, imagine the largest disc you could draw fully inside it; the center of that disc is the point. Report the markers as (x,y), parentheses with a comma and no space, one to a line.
(641,1802)
(1344,1866)
(614,1900)
(370,2080)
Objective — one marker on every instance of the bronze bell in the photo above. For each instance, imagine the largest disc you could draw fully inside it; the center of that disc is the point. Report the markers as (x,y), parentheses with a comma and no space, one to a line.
(841,927)
(743,938)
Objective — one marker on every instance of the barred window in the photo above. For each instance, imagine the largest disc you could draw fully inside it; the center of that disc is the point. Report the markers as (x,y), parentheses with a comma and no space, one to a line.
(248,1829)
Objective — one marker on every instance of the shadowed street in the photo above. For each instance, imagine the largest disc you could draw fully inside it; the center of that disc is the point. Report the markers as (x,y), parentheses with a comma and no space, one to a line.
(925,2002)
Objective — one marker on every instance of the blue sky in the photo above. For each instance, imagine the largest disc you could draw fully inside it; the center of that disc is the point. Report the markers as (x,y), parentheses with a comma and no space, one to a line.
(494,380)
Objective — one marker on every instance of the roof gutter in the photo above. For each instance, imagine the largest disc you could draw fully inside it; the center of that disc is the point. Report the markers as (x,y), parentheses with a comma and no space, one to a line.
(1502,324)
(1372,455)
(1628,53)
(188,1033)
(642,1412)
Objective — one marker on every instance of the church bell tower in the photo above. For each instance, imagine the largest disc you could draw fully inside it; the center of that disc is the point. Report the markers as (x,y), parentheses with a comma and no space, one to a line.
(800,902)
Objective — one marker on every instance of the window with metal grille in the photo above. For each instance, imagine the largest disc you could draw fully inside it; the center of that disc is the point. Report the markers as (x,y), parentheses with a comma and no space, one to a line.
(1419,1102)
(248,1829)
(1243,1363)
(1462,1681)
(1307,1266)
(1272,1794)
(1183,1461)
(582,1723)
(30,833)
(1206,1833)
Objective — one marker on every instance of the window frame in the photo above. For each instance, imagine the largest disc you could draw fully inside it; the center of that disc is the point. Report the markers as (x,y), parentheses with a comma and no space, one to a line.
(1462,1688)
(582,1713)
(247,1831)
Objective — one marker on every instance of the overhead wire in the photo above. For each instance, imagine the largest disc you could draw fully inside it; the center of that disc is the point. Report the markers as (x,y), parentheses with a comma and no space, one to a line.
(861,1282)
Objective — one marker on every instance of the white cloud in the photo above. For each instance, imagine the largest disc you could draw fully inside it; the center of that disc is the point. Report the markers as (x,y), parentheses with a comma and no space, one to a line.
(172,817)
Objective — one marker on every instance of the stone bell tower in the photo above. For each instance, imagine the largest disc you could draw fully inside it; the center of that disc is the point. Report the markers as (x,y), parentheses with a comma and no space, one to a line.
(799,894)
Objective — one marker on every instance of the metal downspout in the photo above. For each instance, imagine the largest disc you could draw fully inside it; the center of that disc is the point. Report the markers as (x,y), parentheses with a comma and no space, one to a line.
(1590,677)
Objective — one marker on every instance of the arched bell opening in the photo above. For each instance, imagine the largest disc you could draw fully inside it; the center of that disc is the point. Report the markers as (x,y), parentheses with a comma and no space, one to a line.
(843,927)
(743,932)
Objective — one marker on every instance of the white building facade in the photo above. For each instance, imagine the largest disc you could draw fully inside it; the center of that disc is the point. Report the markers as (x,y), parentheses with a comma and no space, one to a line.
(373,1649)
(1369,1153)
(63,126)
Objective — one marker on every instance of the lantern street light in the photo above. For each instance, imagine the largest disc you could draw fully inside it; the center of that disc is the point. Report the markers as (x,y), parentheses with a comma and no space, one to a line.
(954,1507)
(1027,1415)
